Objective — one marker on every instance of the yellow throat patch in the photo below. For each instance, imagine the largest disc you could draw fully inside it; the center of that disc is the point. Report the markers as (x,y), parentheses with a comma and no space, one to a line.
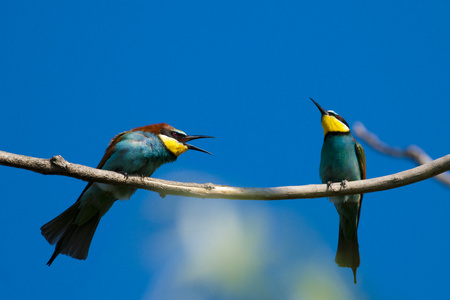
(173,145)
(331,124)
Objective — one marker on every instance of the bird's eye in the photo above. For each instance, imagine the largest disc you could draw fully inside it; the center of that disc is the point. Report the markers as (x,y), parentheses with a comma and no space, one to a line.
(175,134)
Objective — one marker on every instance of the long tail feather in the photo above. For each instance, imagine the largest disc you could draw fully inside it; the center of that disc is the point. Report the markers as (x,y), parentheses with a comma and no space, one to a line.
(53,230)
(71,239)
(347,254)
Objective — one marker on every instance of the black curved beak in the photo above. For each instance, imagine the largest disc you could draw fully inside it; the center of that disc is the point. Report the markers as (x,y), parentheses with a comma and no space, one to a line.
(322,111)
(194,137)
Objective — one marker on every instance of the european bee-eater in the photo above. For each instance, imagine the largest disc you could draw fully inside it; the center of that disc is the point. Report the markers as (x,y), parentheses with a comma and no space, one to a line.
(139,151)
(343,159)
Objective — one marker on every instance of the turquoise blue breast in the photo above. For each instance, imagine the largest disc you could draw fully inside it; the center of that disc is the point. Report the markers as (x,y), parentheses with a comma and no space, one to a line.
(139,153)
(338,159)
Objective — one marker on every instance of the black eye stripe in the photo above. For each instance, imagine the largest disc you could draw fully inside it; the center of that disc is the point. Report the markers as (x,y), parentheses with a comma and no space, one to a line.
(177,134)
(342,120)
(334,114)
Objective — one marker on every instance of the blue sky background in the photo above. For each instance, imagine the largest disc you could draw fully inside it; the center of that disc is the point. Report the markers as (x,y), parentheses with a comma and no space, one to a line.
(74,74)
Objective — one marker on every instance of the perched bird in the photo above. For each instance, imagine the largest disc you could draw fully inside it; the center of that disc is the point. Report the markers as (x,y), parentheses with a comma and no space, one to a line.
(343,160)
(138,151)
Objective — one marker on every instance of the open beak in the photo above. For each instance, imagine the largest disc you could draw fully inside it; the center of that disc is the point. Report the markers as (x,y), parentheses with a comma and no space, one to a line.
(322,111)
(194,137)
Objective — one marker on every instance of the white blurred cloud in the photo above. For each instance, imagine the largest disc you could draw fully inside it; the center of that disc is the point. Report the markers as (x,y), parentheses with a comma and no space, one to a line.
(222,249)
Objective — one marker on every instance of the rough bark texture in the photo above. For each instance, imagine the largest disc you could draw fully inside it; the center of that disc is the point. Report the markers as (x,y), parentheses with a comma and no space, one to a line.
(58,166)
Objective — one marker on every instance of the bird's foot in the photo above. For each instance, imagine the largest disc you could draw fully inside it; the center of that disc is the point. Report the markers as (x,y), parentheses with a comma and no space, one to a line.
(329,183)
(125,174)
(344,183)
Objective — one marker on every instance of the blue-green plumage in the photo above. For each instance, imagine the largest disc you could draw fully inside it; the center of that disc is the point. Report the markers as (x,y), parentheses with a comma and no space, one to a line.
(338,158)
(343,159)
(136,152)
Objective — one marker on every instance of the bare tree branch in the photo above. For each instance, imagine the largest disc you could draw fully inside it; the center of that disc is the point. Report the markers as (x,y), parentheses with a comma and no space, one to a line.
(58,166)
(411,152)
